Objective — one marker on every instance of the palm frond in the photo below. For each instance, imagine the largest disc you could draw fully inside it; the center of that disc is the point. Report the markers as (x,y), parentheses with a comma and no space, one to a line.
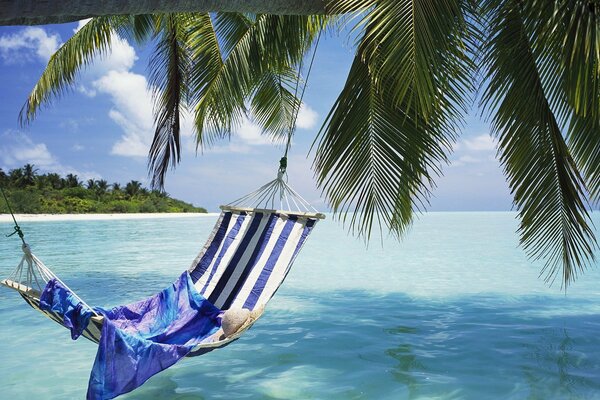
(392,126)
(217,81)
(574,30)
(257,53)
(93,39)
(274,102)
(547,187)
(375,158)
(422,48)
(169,70)
(140,27)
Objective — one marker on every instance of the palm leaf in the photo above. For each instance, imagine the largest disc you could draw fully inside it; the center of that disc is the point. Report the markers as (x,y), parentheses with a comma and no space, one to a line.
(375,158)
(422,48)
(257,58)
(93,39)
(574,28)
(392,126)
(547,187)
(274,102)
(169,70)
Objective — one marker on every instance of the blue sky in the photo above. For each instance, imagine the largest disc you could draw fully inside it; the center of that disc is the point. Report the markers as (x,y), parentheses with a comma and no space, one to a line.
(103,128)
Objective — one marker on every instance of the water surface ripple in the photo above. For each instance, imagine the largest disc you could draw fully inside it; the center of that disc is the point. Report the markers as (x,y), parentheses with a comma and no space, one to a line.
(455,311)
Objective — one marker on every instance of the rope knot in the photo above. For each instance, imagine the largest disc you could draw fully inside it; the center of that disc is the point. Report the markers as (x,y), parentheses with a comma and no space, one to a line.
(283,165)
(17,231)
(26,249)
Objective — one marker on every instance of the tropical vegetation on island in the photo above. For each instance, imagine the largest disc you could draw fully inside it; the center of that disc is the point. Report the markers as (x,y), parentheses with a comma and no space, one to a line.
(33,193)
(420,66)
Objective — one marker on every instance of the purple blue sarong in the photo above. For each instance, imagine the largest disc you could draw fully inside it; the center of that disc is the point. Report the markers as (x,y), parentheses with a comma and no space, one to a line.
(140,339)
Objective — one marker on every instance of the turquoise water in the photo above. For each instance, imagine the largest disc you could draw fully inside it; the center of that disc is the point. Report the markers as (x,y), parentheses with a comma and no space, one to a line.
(455,311)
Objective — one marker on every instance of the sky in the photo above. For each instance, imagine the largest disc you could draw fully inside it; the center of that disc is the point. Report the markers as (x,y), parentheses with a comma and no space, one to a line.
(103,127)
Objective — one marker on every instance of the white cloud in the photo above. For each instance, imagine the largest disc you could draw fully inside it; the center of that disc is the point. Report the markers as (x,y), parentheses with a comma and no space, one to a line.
(132,111)
(480,143)
(19,149)
(231,147)
(86,91)
(120,57)
(27,44)
(244,139)
(80,24)
(469,160)
(307,117)
(26,151)
(132,101)
(250,133)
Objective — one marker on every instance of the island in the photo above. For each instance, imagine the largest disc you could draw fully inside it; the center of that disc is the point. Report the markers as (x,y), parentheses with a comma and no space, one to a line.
(32,193)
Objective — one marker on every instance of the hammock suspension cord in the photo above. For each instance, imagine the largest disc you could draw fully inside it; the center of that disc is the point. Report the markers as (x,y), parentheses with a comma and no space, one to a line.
(31,271)
(294,119)
(17,228)
(277,193)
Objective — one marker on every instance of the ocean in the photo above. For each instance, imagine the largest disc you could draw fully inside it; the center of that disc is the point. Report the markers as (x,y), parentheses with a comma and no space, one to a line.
(455,310)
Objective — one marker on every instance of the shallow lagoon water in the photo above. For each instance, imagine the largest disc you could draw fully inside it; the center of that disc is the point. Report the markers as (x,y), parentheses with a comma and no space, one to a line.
(454,311)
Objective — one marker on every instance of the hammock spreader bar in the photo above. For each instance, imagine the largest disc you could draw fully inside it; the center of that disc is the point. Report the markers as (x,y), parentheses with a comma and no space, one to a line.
(245,260)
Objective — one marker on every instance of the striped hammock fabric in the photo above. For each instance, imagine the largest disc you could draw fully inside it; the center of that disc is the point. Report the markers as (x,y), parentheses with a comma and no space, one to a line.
(245,260)
(248,255)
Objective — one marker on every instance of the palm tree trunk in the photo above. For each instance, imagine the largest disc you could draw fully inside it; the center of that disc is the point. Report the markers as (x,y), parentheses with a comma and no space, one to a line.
(35,12)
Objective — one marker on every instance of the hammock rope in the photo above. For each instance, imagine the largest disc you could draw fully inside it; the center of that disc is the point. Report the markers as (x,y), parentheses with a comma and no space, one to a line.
(36,275)
(297,110)
(277,194)
(243,263)
(245,260)
(17,228)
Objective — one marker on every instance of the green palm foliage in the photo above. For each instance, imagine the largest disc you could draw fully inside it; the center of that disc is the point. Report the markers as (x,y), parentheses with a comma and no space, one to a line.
(219,67)
(92,40)
(394,122)
(529,104)
(532,66)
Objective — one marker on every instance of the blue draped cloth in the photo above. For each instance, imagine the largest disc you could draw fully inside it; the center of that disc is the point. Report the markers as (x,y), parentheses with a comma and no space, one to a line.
(59,299)
(141,339)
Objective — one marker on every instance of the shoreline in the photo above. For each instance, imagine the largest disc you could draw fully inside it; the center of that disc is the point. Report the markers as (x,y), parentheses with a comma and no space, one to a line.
(99,217)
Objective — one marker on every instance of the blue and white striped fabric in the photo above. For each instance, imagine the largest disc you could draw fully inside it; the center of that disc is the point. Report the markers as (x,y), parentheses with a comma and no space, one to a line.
(248,255)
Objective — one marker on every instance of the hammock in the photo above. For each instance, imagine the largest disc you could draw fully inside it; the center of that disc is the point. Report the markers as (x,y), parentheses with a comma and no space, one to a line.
(245,260)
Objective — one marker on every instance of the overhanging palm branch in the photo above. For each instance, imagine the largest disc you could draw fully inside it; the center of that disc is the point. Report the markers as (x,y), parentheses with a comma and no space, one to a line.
(394,122)
(92,40)
(374,158)
(548,188)
(169,68)
(259,55)
(574,28)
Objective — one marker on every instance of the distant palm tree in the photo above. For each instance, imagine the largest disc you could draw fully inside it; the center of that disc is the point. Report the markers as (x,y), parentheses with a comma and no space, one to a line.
(116,187)
(29,174)
(54,180)
(412,82)
(16,177)
(72,181)
(3,178)
(91,184)
(101,186)
(159,193)
(133,188)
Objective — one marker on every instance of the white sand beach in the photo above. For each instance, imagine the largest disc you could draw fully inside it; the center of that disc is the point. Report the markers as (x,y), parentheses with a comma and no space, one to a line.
(97,217)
